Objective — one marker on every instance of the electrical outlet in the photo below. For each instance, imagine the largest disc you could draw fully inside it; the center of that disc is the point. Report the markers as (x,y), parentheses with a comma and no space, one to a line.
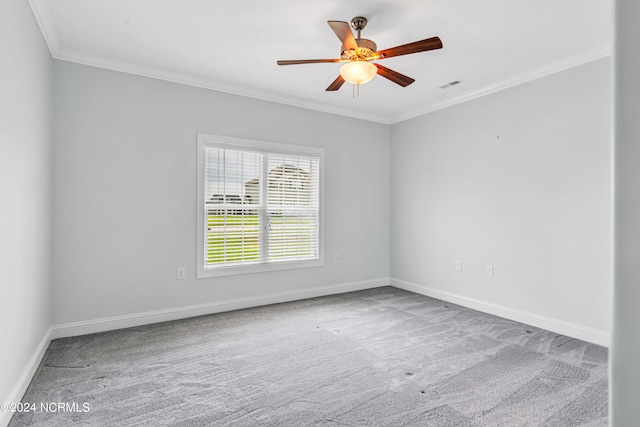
(489,270)
(458,265)
(181,273)
(336,258)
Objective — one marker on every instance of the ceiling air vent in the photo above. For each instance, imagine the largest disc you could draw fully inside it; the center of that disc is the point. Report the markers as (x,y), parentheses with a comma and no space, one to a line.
(453,83)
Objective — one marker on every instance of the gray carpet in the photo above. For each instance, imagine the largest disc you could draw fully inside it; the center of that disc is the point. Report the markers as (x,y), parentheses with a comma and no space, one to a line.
(381,357)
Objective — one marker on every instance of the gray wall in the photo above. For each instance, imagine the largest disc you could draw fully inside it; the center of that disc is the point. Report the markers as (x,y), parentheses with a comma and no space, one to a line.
(125,192)
(625,351)
(521,180)
(25,190)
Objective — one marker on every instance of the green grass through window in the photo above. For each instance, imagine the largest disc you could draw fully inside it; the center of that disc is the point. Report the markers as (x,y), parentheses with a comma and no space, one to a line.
(236,238)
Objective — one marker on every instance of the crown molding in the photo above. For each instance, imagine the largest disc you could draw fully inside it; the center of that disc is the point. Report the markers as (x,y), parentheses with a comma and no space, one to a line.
(43,18)
(271,96)
(511,81)
(212,84)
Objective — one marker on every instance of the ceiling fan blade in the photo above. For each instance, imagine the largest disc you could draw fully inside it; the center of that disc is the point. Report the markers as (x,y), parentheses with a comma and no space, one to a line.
(307,61)
(343,31)
(394,76)
(415,47)
(337,84)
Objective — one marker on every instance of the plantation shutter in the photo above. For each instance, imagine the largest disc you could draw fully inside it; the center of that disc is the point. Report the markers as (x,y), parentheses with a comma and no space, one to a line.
(260,207)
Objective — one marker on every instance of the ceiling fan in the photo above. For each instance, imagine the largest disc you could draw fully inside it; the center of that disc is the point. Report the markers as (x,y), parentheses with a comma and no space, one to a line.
(357,54)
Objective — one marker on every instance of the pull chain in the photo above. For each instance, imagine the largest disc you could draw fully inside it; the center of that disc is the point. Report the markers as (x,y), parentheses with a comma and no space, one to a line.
(355,92)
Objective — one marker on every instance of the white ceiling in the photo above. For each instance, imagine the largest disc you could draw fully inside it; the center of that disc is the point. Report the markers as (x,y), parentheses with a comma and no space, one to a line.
(233,45)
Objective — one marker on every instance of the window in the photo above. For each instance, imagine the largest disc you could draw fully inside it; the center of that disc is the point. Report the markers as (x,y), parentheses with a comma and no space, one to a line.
(259,206)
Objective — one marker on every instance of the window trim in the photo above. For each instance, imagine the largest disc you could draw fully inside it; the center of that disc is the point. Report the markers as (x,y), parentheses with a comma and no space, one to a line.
(221,141)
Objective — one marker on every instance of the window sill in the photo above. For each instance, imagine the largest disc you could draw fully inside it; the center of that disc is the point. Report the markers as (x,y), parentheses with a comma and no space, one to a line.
(257,268)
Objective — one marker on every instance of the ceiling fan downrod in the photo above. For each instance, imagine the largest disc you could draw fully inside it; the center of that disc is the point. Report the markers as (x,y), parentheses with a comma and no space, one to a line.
(358,23)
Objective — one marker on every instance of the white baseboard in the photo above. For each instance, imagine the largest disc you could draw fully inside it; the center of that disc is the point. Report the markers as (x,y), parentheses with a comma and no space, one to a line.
(27,374)
(138,319)
(565,328)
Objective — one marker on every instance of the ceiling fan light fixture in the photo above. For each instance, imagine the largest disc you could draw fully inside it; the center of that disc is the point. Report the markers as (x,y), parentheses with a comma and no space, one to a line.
(358,72)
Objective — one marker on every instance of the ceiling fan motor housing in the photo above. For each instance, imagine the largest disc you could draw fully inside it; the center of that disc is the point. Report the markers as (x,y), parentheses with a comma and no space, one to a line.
(366,48)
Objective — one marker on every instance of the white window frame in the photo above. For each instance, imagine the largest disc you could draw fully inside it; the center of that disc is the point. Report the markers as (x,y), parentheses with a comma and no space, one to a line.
(233,143)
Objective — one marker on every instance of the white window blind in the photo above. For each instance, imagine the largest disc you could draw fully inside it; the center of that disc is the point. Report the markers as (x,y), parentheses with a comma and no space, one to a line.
(260,206)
